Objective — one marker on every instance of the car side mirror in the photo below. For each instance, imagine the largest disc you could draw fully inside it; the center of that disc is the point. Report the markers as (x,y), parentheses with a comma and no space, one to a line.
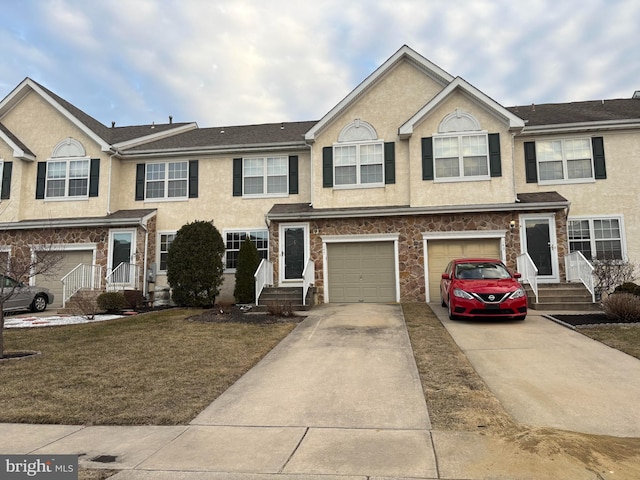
(446,276)
(517,275)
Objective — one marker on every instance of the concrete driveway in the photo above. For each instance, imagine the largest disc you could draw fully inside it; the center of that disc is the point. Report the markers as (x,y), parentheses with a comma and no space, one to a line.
(548,375)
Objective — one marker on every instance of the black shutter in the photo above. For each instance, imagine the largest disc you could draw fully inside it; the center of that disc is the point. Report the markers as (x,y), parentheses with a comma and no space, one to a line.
(389,163)
(5,187)
(427,158)
(237,177)
(193,178)
(327,167)
(94,177)
(597,144)
(41,180)
(140,181)
(293,174)
(495,163)
(530,164)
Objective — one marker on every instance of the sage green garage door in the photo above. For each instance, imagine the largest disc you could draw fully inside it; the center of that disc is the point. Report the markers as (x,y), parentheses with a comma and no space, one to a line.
(361,272)
(441,252)
(69,260)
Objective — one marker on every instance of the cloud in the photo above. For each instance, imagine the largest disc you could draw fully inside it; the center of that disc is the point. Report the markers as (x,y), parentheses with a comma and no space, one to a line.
(222,63)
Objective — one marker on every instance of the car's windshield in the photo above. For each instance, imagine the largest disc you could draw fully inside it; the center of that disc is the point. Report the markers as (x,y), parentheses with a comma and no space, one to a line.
(484,270)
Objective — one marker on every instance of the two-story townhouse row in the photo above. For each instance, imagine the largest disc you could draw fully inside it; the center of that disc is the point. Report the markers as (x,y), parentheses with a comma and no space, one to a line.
(414,167)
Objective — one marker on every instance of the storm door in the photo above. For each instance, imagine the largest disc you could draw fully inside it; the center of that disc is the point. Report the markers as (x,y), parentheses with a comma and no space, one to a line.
(293,251)
(122,257)
(539,241)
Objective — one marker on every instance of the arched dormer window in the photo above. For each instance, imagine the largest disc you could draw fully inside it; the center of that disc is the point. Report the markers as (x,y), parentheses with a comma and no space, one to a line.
(460,149)
(358,156)
(66,173)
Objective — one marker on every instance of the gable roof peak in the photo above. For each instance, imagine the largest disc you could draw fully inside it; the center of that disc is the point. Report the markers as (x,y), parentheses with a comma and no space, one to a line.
(404,53)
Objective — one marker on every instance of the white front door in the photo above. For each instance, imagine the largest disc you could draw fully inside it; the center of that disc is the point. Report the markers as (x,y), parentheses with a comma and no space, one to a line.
(122,248)
(294,252)
(538,238)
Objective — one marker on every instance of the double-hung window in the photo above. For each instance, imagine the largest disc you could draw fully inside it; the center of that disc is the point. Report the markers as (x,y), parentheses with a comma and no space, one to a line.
(67,178)
(359,164)
(165,242)
(265,176)
(234,240)
(564,160)
(596,238)
(461,157)
(167,180)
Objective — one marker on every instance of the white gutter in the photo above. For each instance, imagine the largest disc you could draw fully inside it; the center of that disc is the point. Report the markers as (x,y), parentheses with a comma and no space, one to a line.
(582,126)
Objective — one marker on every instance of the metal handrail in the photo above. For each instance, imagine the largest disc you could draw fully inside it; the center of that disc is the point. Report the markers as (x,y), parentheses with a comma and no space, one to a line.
(579,268)
(124,275)
(529,272)
(263,277)
(81,277)
(308,279)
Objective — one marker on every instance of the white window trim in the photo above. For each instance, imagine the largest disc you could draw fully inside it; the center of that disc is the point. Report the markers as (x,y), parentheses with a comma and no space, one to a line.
(358,165)
(265,178)
(565,181)
(66,196)
(159,251)
(592,239)
(245,231)
(165,197)
(461,177)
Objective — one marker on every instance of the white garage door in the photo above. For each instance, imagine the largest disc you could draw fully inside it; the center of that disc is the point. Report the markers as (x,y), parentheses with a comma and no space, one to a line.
(69,261)
(441,252)
(361,272)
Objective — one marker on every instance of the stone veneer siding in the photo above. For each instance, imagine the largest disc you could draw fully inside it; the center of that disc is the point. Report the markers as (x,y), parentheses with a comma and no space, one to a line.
(21,241)
(410,251)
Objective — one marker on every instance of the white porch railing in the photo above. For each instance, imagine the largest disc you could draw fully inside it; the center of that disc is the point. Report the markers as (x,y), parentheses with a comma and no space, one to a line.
(263,277)
(308,277)
(124,276)
(578,268)
(82,277)
(529,272)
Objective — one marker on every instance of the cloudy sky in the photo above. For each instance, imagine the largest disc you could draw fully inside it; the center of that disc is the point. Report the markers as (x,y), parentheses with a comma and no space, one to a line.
(255,61)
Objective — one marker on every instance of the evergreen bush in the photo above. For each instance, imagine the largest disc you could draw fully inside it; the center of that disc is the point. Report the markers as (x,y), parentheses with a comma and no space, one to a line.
(112,301)
(194,265)
(246,266)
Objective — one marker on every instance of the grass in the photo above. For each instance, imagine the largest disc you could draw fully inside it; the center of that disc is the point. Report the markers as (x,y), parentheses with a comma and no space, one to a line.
(625,338)
(152,369)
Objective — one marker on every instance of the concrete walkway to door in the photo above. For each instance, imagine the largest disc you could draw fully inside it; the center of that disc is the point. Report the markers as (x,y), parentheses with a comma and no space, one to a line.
(340,395)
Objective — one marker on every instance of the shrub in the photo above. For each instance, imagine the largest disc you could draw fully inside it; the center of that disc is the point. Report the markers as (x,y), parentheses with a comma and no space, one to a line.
(134,299)
(246,266)
(281,309)
(609,273)
(628,287)
(194,265)
(112,301)
(625,307)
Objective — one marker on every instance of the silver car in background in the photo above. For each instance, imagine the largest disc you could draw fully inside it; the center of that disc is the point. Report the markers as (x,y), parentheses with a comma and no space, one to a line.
(19,296)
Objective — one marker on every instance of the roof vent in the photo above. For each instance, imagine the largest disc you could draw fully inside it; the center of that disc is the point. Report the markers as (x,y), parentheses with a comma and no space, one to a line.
(113,124)
(170,119)
(636,94)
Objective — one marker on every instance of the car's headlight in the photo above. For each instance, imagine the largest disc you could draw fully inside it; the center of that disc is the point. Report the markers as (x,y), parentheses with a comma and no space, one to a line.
(462,294)
(518,293)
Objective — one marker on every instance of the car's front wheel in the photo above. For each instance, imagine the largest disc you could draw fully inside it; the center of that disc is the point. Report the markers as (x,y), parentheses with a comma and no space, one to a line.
(39,303)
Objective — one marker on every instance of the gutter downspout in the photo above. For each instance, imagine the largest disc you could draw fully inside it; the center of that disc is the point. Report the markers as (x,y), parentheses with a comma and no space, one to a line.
(114,154)
(513,166)
(143,224)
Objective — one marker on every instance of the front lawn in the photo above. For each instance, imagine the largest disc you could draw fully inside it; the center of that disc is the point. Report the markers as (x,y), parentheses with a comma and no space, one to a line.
(152,369)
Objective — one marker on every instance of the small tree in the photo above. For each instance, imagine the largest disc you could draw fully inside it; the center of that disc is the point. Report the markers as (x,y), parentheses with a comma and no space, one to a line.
(246,266)
(20,269)
(194,265)
(610,273)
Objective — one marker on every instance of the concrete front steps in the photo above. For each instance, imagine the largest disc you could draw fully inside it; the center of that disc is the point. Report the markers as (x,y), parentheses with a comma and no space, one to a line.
(285,296)
(561,296)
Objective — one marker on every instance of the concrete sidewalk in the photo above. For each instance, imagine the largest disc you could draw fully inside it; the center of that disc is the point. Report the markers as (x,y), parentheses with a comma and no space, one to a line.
(340,398)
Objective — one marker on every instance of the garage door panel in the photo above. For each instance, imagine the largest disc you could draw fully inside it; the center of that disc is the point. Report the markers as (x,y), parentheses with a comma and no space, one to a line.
(361,272)
(68,261)
(441,252)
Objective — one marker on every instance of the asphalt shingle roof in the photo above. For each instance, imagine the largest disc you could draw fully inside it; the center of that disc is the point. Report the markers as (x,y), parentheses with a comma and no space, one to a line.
(578,112)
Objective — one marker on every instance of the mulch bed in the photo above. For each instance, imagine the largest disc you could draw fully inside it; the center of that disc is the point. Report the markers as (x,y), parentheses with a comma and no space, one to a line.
(235,314)
(586,319)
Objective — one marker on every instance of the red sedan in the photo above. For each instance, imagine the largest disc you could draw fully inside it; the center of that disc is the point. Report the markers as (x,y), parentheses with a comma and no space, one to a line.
(482,287)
